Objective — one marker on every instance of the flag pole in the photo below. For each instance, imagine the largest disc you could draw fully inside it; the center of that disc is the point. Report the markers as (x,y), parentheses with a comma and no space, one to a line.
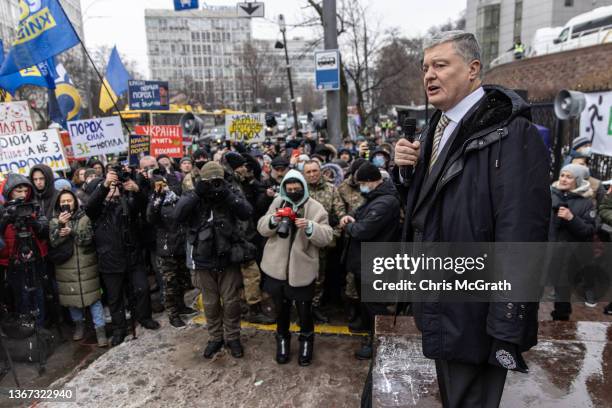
(95,68)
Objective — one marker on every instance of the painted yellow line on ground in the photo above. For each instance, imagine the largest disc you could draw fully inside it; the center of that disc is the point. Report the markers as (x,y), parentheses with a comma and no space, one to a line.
(319,328)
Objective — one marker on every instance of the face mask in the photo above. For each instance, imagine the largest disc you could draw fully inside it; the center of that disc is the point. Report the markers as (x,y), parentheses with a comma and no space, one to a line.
(200,164)
(378,161)
(364,189)
(296,196)
(586,151)
(300,167)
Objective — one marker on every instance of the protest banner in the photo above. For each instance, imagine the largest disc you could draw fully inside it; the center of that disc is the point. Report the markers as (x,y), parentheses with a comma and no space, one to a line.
(596,121)
(95,137)
(15,118)
(139,144)
(166,140)
(20,152)
(247,127)
(148,95)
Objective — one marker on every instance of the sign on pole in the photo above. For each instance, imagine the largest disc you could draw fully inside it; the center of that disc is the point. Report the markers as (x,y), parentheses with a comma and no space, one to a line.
(15,118)
(327,70)
(166,140)
(247,127)
(250,9)
(148,95)
(95,137)
(20,152)
(596,121)
(180,5)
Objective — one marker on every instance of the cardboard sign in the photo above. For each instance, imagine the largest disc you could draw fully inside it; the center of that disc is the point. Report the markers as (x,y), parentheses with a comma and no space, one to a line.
(20,152)
(139,144)
(166,140)
(15,118)
(148,95)
(95,137)
(248,127)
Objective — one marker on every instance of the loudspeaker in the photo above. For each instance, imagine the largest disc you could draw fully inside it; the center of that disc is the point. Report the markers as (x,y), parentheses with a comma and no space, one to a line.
(191,124)
(569,104)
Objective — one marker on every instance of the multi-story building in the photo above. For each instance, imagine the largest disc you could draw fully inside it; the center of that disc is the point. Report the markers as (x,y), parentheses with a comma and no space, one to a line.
(497,23)
(199,53)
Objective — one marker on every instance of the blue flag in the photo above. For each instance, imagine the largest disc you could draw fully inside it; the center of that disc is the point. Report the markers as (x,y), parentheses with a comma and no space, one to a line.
(115,82)
(43,32)
(27,76)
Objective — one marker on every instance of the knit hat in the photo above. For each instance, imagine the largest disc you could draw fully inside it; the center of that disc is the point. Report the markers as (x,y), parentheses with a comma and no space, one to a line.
(211,170)
(162,156)
(356,165)
(368,172)
(186,158)
(62,184)
(234,160)
(578,171)
(580,141)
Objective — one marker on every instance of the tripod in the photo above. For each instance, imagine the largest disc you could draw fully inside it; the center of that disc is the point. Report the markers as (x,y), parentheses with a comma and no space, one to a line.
(9,364)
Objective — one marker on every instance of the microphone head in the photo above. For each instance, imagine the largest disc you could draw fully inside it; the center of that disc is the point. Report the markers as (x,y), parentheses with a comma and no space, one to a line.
(409,127)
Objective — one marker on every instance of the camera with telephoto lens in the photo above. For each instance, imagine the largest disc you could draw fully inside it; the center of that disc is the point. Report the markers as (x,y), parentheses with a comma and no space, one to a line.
(122,175)
(20,211)
(287,218)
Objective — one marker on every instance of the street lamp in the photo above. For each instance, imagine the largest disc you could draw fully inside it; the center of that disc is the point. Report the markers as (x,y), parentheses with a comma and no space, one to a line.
(283,29)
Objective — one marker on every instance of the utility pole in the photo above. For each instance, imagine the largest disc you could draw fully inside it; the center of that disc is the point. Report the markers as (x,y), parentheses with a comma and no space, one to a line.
(283,29)
(332,98)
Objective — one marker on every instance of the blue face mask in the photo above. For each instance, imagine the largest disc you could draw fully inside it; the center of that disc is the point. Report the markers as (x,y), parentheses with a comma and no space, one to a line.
(364,189)
(378,161)
(300,167)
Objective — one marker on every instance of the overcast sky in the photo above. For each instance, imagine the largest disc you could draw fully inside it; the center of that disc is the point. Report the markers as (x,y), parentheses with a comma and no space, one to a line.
(121,22)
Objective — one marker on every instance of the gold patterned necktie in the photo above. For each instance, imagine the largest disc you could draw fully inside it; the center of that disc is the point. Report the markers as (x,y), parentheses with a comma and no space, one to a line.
(442,124)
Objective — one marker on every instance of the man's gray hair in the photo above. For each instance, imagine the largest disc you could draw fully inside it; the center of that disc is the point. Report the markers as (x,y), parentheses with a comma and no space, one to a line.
(465,43)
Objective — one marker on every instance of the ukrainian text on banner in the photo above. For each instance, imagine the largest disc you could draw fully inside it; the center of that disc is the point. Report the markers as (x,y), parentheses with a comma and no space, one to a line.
(247,127)
(95,137)
(20,152)
(43,31)
(166,140)
(15,118)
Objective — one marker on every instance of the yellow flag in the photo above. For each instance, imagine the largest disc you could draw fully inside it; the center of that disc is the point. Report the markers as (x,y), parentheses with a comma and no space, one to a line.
(108,98)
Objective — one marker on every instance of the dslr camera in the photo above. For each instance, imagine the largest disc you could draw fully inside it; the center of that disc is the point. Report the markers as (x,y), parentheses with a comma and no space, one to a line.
(287,218)
(122,175)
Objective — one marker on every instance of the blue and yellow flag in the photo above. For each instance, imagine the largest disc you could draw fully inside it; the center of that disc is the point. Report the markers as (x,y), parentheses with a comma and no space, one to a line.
(115,81)
(28,76)
(43,32)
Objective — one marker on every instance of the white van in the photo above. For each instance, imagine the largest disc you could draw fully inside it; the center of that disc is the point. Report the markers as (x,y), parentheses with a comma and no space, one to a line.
(594,27)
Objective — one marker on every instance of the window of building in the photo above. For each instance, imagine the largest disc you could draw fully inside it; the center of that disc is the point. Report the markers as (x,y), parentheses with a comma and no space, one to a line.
(518,18)
(569,3)
(487,31)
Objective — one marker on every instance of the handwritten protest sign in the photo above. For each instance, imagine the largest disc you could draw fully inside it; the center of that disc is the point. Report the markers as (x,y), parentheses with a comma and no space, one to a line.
(139,144)
(148,95)
(15,118)
(248,127)
(166,140)
(95,137)
(20,152)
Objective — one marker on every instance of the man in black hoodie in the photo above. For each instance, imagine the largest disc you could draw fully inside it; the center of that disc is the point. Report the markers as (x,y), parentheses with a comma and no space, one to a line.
(42,178)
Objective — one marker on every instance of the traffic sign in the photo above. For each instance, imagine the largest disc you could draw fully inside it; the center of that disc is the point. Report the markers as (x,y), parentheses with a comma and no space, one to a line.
(327,70)
(186,5)
(250,9)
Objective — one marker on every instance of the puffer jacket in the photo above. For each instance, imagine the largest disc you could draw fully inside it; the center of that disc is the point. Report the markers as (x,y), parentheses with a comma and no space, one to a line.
(77,279)
(296,258)
(582,226)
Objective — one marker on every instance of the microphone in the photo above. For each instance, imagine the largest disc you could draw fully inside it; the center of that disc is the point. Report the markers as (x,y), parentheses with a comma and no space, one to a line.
(409,129)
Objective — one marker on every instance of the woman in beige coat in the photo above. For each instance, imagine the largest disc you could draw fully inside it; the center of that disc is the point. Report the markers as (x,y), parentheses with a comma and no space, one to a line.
(296,227)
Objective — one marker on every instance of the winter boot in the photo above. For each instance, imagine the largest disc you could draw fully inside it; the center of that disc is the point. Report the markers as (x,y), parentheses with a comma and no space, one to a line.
(365,352)
(79,331)
(357,326)
(118,337)
(235,348)
(101,336)
(149,324)
(212,348)
(255,315)
(283,348)
(306,349)
(184,310)
(176,321)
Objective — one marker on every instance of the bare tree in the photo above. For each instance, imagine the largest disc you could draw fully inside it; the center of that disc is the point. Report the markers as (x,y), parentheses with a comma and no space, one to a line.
(259,66)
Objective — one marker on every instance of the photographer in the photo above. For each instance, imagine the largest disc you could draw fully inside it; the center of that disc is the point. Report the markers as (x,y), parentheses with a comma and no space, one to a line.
(114,207)
(212,211)
(297,228)
(170,249)
(24,228)
(572,220)
(76,265)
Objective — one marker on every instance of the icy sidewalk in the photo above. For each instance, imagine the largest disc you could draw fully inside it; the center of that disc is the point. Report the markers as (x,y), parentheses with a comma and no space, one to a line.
(165,369)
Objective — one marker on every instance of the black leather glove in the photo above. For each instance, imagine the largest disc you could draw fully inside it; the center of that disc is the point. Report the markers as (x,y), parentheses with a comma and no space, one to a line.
(507,355)
(200,188)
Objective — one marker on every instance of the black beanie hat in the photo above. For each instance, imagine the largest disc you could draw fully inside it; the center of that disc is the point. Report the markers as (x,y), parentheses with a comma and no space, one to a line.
(279,161)
(234,160)
(368,172)
(356,165)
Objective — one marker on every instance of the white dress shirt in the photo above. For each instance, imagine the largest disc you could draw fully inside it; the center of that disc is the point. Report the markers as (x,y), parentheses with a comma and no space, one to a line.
(457,112)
